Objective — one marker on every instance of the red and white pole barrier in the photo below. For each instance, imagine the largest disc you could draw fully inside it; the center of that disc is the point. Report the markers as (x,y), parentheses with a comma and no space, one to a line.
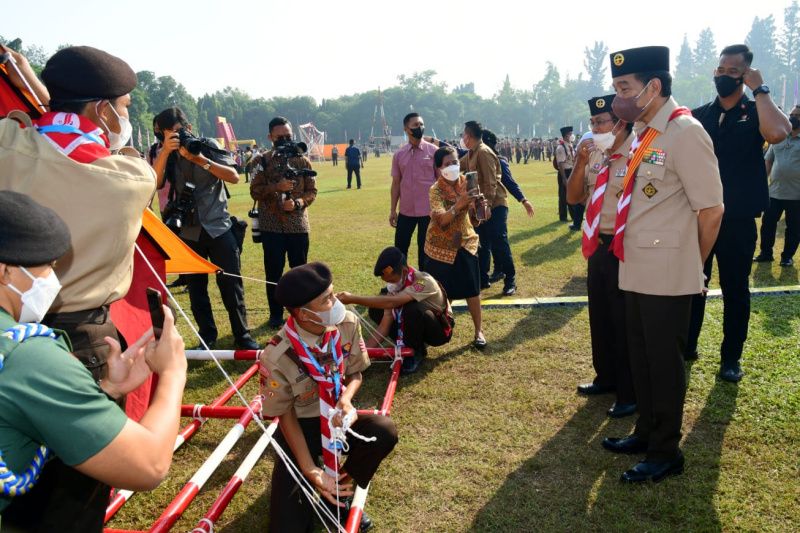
(353,524)
(392,388)
(179,504)
(252,355)
(121,497)
(224,412)
(206,524)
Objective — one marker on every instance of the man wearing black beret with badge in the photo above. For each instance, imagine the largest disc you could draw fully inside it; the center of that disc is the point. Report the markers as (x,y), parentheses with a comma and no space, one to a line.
(738,127)
(309,373)
(667,221)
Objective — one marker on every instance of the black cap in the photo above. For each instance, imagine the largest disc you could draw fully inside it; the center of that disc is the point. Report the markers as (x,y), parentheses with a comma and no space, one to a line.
(86,73)
(302,284)
(565,130)
(391,258)
(600,104)
(30,233)
(635,60)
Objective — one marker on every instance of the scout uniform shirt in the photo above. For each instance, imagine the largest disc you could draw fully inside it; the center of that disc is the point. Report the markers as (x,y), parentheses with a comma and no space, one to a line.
(425,290)
(565,155)
(678,176)
(608,214)
(284,380)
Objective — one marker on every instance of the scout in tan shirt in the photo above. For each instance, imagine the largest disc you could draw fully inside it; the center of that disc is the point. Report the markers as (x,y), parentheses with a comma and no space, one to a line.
(597,180)
(414,311)
(318,349)
(667,222)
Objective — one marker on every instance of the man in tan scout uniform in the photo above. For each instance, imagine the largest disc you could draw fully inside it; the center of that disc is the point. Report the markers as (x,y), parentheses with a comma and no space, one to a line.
(597,179)
(291,392)
(484,161)
(667,221)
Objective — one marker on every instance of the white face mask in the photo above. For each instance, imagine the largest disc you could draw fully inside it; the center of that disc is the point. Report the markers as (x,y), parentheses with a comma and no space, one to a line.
(451,172)
(117,140)
(603,141)
(462,144)
(571,138)
(37,300)
(331,317)
(394,288)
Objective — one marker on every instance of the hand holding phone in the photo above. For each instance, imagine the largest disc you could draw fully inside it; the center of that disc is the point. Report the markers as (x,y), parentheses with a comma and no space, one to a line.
(154,302)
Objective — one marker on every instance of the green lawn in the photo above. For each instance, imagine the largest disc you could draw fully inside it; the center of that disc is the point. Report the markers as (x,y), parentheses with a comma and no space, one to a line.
(499,441)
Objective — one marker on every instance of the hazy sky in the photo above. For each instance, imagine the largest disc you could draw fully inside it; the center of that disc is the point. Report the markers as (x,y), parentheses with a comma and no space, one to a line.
(326,49)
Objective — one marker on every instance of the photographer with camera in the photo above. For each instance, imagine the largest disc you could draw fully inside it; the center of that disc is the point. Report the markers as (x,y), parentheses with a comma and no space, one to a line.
(284,187)
(198,212)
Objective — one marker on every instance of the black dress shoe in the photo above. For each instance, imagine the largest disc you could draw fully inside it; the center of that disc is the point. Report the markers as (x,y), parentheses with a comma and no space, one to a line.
(653,471)
(366,523)
(246,343)
(592,389)
(573,227)
(690,355)
(787,262)
(621,410)
(485,286)
(761,258)
(210,344)
(411,364)
(629,444)
(731,374)
(275,323)
(496,276)
(509,290)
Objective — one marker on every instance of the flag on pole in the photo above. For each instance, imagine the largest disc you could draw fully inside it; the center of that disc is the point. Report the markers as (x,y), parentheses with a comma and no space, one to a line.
(795,89)
(518,128)
(139,138)
(534,131)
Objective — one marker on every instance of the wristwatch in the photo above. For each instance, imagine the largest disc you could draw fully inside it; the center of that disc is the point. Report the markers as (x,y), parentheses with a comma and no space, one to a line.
(763,89)
(207,165)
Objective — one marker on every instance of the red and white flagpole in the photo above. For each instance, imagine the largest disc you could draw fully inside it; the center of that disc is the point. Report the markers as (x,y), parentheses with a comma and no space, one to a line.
(206,524)
(179,504)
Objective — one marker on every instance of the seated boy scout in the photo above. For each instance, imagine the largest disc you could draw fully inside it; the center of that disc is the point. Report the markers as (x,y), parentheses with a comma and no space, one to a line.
(316,359)
(415,310)
(60,430)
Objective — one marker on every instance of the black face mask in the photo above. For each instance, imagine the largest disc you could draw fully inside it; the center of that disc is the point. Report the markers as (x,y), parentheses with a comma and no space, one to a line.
(795,122)
(726,85)
(159,136)
(417,132)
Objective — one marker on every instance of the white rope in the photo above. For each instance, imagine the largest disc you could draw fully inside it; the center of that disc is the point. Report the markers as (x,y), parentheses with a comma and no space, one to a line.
(201,530)
(196,413)
(247,278)
(314,501)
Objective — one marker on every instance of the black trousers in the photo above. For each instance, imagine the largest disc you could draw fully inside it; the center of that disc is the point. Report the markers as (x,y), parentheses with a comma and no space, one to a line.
(421,326)
(224,252)
(64,499)
(405,229)
(335,159)
(769,225)
(562,194)
(657,328)
(350,170)
(290,511)
(576,213)
(277,248)
(607,323)
(501,249)
(734,252)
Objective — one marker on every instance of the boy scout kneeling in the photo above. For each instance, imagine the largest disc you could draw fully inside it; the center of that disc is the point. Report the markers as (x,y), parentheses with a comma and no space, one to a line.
(311,367)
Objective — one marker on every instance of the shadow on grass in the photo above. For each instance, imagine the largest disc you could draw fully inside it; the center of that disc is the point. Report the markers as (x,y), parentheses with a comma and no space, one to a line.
(524,235)
(561,247)
(571,484)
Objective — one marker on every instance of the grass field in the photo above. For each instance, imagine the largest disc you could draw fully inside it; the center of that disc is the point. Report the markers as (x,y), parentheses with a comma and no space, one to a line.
(499,441)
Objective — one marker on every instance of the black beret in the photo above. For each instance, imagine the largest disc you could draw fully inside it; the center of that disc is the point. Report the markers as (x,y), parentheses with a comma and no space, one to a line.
(600,104)
(30,233)
(86,73)
(391,258)
(636,60)
(565,130)
(302,284)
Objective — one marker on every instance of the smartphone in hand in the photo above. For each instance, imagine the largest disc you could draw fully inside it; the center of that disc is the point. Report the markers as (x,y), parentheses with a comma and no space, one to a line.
(154,302)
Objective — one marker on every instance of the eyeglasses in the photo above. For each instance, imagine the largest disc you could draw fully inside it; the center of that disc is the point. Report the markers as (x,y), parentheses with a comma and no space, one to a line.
(599,122)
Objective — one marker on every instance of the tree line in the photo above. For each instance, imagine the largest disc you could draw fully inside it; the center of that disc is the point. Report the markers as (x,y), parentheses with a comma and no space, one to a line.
(540,111)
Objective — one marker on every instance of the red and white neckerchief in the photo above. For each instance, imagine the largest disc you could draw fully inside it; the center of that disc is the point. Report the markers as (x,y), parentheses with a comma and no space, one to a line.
(397,312)
(329,382)
(638,149)
(74,135)
(591,224)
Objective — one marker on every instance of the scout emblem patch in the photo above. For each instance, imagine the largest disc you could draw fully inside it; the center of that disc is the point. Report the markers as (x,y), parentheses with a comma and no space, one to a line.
(649,190)
(419,285)
(600,104)
(597,166)
(655,156)
(619,59)
(620,173)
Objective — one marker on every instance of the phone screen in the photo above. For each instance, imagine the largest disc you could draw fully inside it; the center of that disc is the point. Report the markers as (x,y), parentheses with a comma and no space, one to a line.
(154,302)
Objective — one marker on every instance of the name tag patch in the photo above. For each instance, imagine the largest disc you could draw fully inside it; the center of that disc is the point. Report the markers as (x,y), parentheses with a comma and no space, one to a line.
(620,173)
(655,156)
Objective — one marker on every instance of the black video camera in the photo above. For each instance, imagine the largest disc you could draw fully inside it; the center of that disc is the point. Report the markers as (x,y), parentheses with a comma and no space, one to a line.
(178,212)
(286,149)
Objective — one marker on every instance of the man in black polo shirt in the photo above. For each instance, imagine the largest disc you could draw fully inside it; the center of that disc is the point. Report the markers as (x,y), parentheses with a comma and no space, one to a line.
(738,126)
